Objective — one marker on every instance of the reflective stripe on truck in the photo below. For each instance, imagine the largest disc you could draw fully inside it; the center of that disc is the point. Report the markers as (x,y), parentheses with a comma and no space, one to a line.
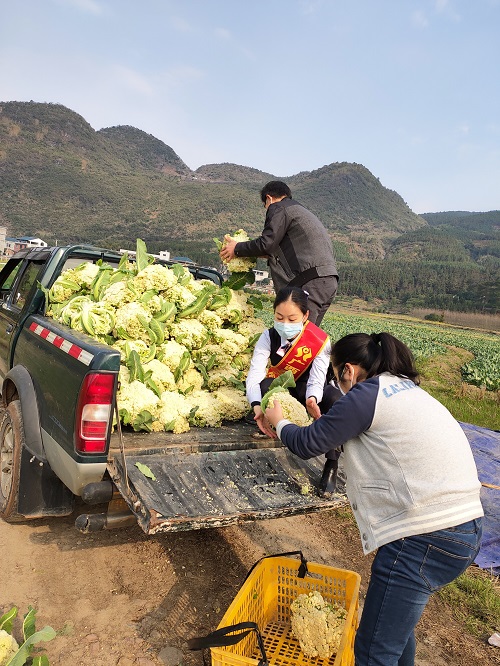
(62,344)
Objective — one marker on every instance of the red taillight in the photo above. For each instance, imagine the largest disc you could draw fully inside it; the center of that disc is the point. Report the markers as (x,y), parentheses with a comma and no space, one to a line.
(93,414)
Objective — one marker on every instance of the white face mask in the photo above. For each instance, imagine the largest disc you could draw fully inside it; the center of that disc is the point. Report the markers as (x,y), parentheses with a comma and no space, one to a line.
(288,330)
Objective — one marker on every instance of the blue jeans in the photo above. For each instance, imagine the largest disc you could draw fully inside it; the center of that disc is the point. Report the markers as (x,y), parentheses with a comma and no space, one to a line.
(404,575)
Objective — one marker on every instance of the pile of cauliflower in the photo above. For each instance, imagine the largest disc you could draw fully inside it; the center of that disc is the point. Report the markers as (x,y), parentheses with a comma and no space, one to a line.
(185,344)
(317,625)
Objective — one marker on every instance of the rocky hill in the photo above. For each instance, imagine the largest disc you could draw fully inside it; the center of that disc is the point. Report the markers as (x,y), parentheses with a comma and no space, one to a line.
(60,179)
(65,182)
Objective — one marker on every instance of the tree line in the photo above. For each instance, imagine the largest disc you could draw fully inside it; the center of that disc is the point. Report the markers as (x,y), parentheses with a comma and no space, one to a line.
(466,287)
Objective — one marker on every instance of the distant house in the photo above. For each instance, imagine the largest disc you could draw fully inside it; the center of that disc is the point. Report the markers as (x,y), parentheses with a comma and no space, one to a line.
(164,254)
(13,245)
(260,275)
(31,241)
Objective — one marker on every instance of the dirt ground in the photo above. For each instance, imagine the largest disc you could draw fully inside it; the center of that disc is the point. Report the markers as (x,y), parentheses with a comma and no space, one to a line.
(120,598)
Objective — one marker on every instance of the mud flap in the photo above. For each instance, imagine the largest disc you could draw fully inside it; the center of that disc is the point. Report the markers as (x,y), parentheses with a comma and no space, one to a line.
(219,488)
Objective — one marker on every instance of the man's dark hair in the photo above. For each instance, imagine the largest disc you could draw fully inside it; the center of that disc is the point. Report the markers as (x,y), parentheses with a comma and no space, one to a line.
(275,189)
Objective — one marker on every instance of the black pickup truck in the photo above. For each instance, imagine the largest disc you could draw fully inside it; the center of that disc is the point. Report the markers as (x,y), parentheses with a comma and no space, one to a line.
(57,442)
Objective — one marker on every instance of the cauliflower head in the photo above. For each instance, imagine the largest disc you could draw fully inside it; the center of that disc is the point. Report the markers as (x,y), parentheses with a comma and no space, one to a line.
(189,332)
(154,276)
(206,409)
(180,295)
(172,413)
(251,327)
(293,410)
(213,355)
(221,376)
(135,398)
(170,353)
(210,320)
(317,625)
(126,346)
(97,318)
(237,310)
(127,322)
(231,343)
(161,374)
(156,304)
(190,380)
(117,294)
(232,403)
(239,264)
(8,647)
(198,285)
(62,289)
(124,374)
(83,274)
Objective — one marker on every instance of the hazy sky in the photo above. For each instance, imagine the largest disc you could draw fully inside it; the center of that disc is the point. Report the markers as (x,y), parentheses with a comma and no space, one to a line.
(408,88)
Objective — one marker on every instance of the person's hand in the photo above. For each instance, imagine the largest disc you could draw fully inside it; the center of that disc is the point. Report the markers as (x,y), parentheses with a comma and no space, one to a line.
(263,423)
(274,414)
(227,252)
(313,408)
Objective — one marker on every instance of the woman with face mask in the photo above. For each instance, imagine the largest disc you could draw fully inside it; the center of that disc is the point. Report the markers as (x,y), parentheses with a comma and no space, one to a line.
(293,343)
(411,481)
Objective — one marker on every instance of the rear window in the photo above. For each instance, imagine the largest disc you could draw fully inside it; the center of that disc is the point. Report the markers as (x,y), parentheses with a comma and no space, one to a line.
(25,283)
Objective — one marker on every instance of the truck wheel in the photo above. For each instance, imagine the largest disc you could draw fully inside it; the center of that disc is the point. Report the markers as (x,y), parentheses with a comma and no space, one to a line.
(11,446)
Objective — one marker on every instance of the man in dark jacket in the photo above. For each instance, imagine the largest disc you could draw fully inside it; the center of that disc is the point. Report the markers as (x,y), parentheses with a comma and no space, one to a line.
(297,246)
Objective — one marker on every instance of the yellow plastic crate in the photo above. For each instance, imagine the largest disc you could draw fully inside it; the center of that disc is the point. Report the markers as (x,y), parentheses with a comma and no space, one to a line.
(265,598)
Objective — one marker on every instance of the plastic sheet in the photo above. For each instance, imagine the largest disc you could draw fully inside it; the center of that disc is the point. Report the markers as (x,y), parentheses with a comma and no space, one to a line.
(485,446)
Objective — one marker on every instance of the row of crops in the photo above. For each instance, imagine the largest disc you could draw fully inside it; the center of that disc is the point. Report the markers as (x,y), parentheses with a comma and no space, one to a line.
(425,341)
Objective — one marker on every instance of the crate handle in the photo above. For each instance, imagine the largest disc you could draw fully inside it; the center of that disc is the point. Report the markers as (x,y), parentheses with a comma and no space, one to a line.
(219,638)
(301,573)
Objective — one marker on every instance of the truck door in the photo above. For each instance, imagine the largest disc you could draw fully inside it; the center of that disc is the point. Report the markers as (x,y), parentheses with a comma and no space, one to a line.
(16,280)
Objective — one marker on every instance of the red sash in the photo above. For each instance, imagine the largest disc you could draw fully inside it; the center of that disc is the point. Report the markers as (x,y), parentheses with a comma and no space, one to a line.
(302,353)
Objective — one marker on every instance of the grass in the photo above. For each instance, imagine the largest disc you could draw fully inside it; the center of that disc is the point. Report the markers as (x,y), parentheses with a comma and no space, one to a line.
(474,598)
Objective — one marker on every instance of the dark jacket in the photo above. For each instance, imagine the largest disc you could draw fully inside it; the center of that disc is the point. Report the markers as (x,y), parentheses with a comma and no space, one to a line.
(296,243)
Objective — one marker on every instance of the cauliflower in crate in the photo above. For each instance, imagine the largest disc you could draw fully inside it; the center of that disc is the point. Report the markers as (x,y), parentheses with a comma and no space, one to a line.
(317,625)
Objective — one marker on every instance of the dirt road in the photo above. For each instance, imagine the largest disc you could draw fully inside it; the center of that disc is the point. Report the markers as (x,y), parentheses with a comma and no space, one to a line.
(119,598)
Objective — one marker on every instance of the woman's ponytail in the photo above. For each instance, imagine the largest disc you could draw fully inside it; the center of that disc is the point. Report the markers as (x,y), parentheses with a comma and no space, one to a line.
(398,359)
(375,353)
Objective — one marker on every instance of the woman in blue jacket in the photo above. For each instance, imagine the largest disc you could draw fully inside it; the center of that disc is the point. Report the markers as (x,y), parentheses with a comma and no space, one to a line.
(411,481)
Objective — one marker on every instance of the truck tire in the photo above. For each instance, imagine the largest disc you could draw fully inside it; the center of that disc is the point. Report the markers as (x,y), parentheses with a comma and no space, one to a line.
(11,446)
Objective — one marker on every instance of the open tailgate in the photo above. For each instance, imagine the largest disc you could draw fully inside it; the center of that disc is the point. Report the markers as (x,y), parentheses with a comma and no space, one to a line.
(195,488)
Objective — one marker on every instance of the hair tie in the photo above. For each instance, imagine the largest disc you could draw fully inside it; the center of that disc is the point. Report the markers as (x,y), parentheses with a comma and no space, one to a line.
(306,293)
(375,337)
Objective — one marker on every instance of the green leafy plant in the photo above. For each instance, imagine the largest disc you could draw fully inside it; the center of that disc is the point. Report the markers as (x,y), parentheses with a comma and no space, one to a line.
(278,385)
(13,654)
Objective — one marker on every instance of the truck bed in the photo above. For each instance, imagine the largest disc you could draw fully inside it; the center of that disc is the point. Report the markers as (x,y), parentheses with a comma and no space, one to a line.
(213,477)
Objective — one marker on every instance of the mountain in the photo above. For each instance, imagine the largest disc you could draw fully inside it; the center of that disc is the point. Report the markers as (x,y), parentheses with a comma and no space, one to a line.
(62,181)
